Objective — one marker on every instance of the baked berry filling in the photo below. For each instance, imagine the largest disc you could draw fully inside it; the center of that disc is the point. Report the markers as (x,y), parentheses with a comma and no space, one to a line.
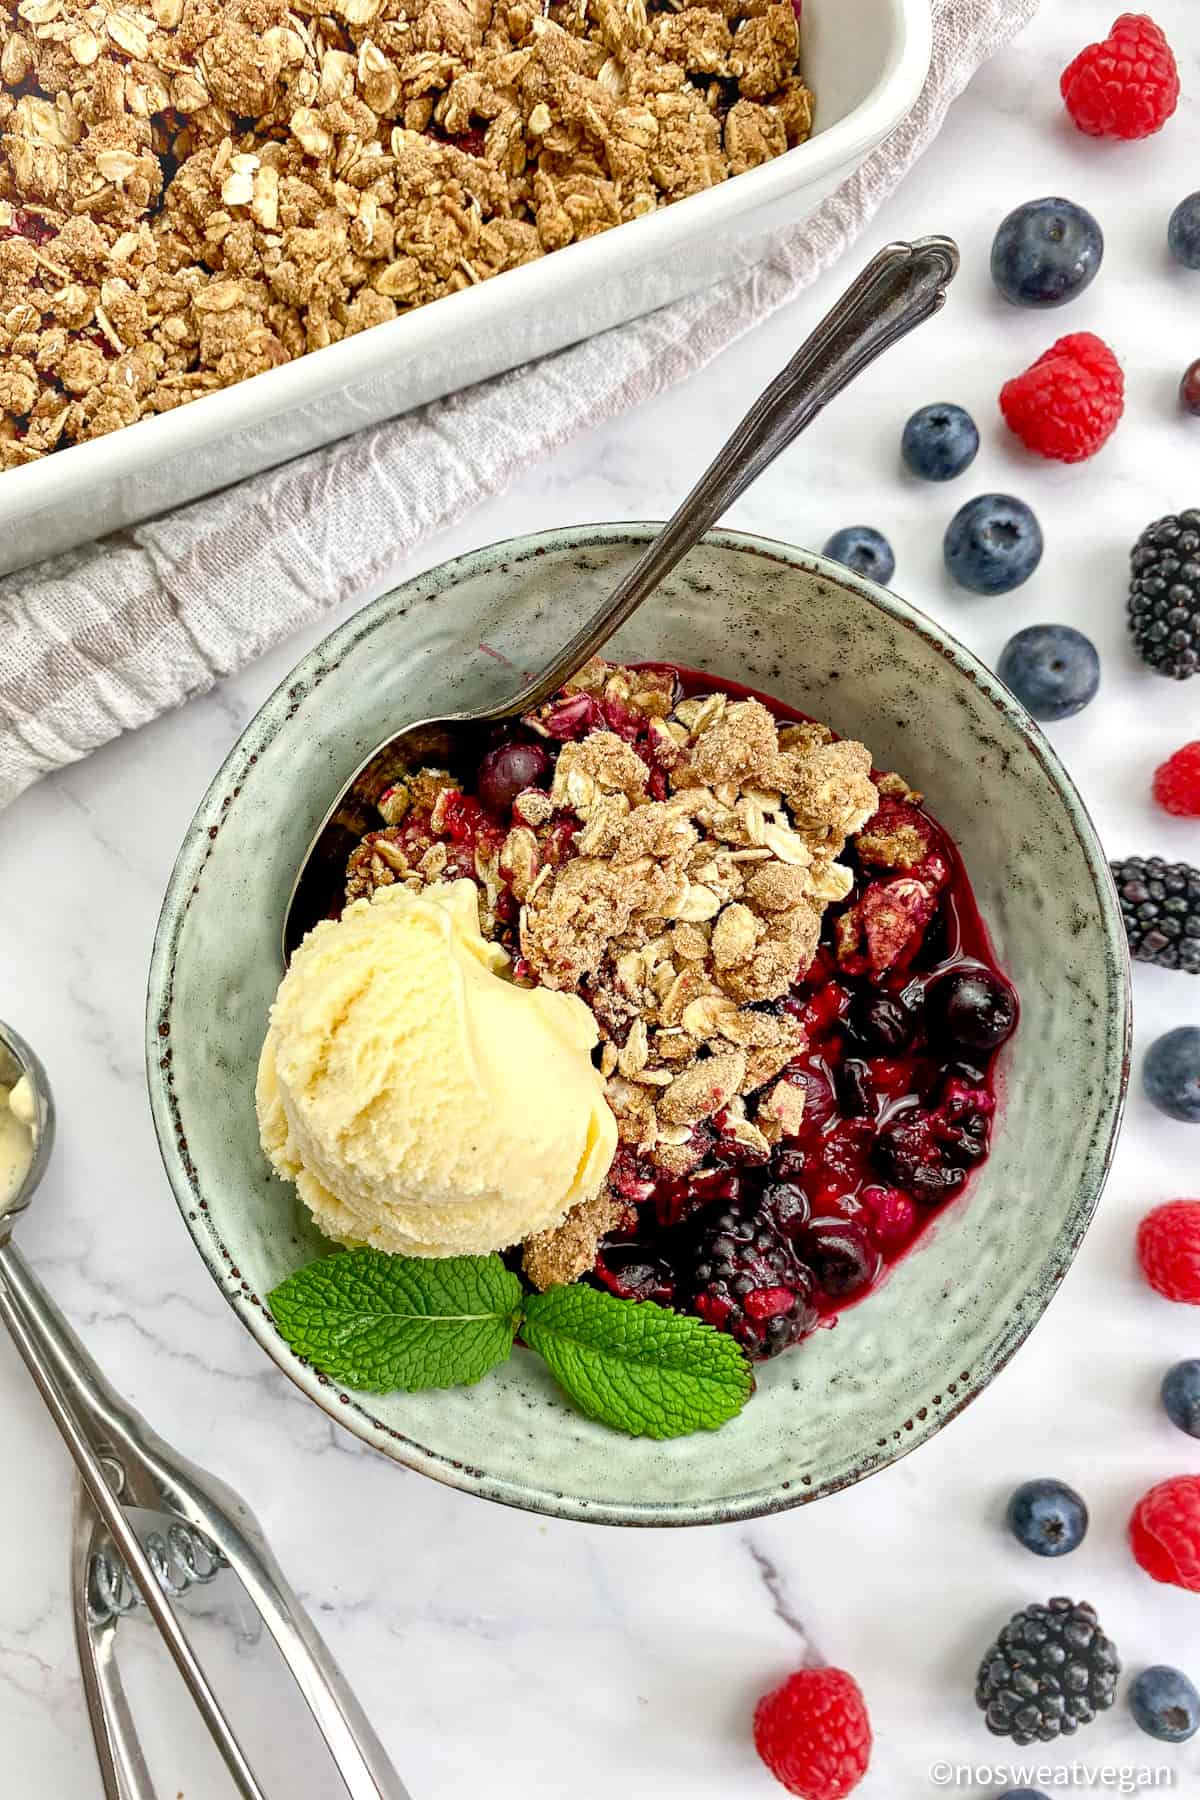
(764,1206)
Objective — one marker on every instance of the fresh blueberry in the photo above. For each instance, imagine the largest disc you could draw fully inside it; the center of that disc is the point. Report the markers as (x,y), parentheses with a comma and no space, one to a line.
(1165,1704)
(1183,232)
(1046,252)
(1048,1517)
(939,442)
(864,550)
(1052,669)
(1181,1396)
(992,544)
(1171,1073)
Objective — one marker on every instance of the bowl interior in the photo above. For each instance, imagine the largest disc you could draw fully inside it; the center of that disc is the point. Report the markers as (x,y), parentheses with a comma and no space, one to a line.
(855,1397)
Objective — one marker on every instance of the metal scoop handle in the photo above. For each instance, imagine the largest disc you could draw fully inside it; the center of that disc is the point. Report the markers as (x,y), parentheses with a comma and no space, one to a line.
(123,1462)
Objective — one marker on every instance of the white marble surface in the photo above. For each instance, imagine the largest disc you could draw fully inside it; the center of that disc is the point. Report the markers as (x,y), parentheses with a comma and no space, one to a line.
(497,1652)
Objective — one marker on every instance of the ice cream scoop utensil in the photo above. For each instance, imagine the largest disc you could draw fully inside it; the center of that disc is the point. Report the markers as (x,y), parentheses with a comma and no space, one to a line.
(899,288)
(122,1766)
(124,1464)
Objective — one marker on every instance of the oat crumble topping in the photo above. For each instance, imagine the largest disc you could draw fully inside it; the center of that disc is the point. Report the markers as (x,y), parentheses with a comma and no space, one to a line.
(194,191)
(678,900)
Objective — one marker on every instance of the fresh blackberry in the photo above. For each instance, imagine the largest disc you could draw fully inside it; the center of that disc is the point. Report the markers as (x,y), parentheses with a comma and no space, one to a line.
(1164,595)
(1050,1671)
(746,1280)
(1160,908)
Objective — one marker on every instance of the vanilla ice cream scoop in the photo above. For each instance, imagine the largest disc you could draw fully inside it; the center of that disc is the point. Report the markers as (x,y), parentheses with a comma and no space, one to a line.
(420,1101)
(18,1133)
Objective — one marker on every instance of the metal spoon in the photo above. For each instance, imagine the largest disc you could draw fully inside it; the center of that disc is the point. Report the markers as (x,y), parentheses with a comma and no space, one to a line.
(124,1464)
(903,285)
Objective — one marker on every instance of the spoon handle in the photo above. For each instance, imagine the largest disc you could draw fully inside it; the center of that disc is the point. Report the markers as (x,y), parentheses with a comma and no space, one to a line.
(899,288)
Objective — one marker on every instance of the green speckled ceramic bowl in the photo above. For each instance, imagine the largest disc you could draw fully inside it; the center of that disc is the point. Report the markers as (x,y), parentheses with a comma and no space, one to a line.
(899,1366)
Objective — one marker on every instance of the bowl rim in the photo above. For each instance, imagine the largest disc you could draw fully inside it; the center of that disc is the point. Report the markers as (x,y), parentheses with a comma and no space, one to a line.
(349,1410)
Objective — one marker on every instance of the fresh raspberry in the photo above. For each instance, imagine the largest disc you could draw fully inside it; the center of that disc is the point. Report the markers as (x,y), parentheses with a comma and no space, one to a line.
(1164,1532)
(1177,782)
(1168,1247)
(1125,87)
(813,1733)
(1066,404)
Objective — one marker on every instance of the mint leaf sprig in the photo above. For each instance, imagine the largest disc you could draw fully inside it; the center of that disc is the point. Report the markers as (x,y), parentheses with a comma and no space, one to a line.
(380,1323)
(635,1365)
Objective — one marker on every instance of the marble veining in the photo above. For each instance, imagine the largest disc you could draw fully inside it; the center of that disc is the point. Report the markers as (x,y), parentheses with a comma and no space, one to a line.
(530,1659)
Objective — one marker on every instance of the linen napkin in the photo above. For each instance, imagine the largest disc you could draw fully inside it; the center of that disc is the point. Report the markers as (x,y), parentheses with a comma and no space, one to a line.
(105,638)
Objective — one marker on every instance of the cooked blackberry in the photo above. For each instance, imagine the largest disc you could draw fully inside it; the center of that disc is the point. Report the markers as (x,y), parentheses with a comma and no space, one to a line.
(1164,595)
(1160,908)
(744,1278)
(1050,1671)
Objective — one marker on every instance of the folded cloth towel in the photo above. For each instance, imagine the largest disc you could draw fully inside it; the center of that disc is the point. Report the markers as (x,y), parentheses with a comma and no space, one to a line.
(105,638)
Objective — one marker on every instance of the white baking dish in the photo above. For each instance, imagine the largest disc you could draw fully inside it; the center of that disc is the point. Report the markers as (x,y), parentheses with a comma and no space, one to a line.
(865,61)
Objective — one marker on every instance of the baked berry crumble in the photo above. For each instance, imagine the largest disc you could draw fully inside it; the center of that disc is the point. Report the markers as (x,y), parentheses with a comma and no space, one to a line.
(797,1005)
(195,191)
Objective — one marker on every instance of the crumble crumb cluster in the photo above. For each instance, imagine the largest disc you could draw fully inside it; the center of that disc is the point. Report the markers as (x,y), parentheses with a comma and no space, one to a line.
(677,917)
(678,896)
(194,191)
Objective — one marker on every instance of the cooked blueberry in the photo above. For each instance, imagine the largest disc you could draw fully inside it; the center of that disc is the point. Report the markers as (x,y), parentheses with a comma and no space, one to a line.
(1183,232)
(962,1120)
(840,1256)
(1046,252)
(631,1274)
(992,544)
(855,1089)
(507,771)
(864,550)
(1165,1704)
(908,1152)
(786,1206)
(881,1023)
(820,1101)
(1053,670)
(939,442)
(1171,1073)
(970,1007)
(959,1072)
(1047,1517)
(1181,1396)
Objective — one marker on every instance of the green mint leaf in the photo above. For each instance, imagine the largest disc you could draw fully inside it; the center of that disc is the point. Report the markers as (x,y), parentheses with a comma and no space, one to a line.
(635,1365)
(381,1322)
